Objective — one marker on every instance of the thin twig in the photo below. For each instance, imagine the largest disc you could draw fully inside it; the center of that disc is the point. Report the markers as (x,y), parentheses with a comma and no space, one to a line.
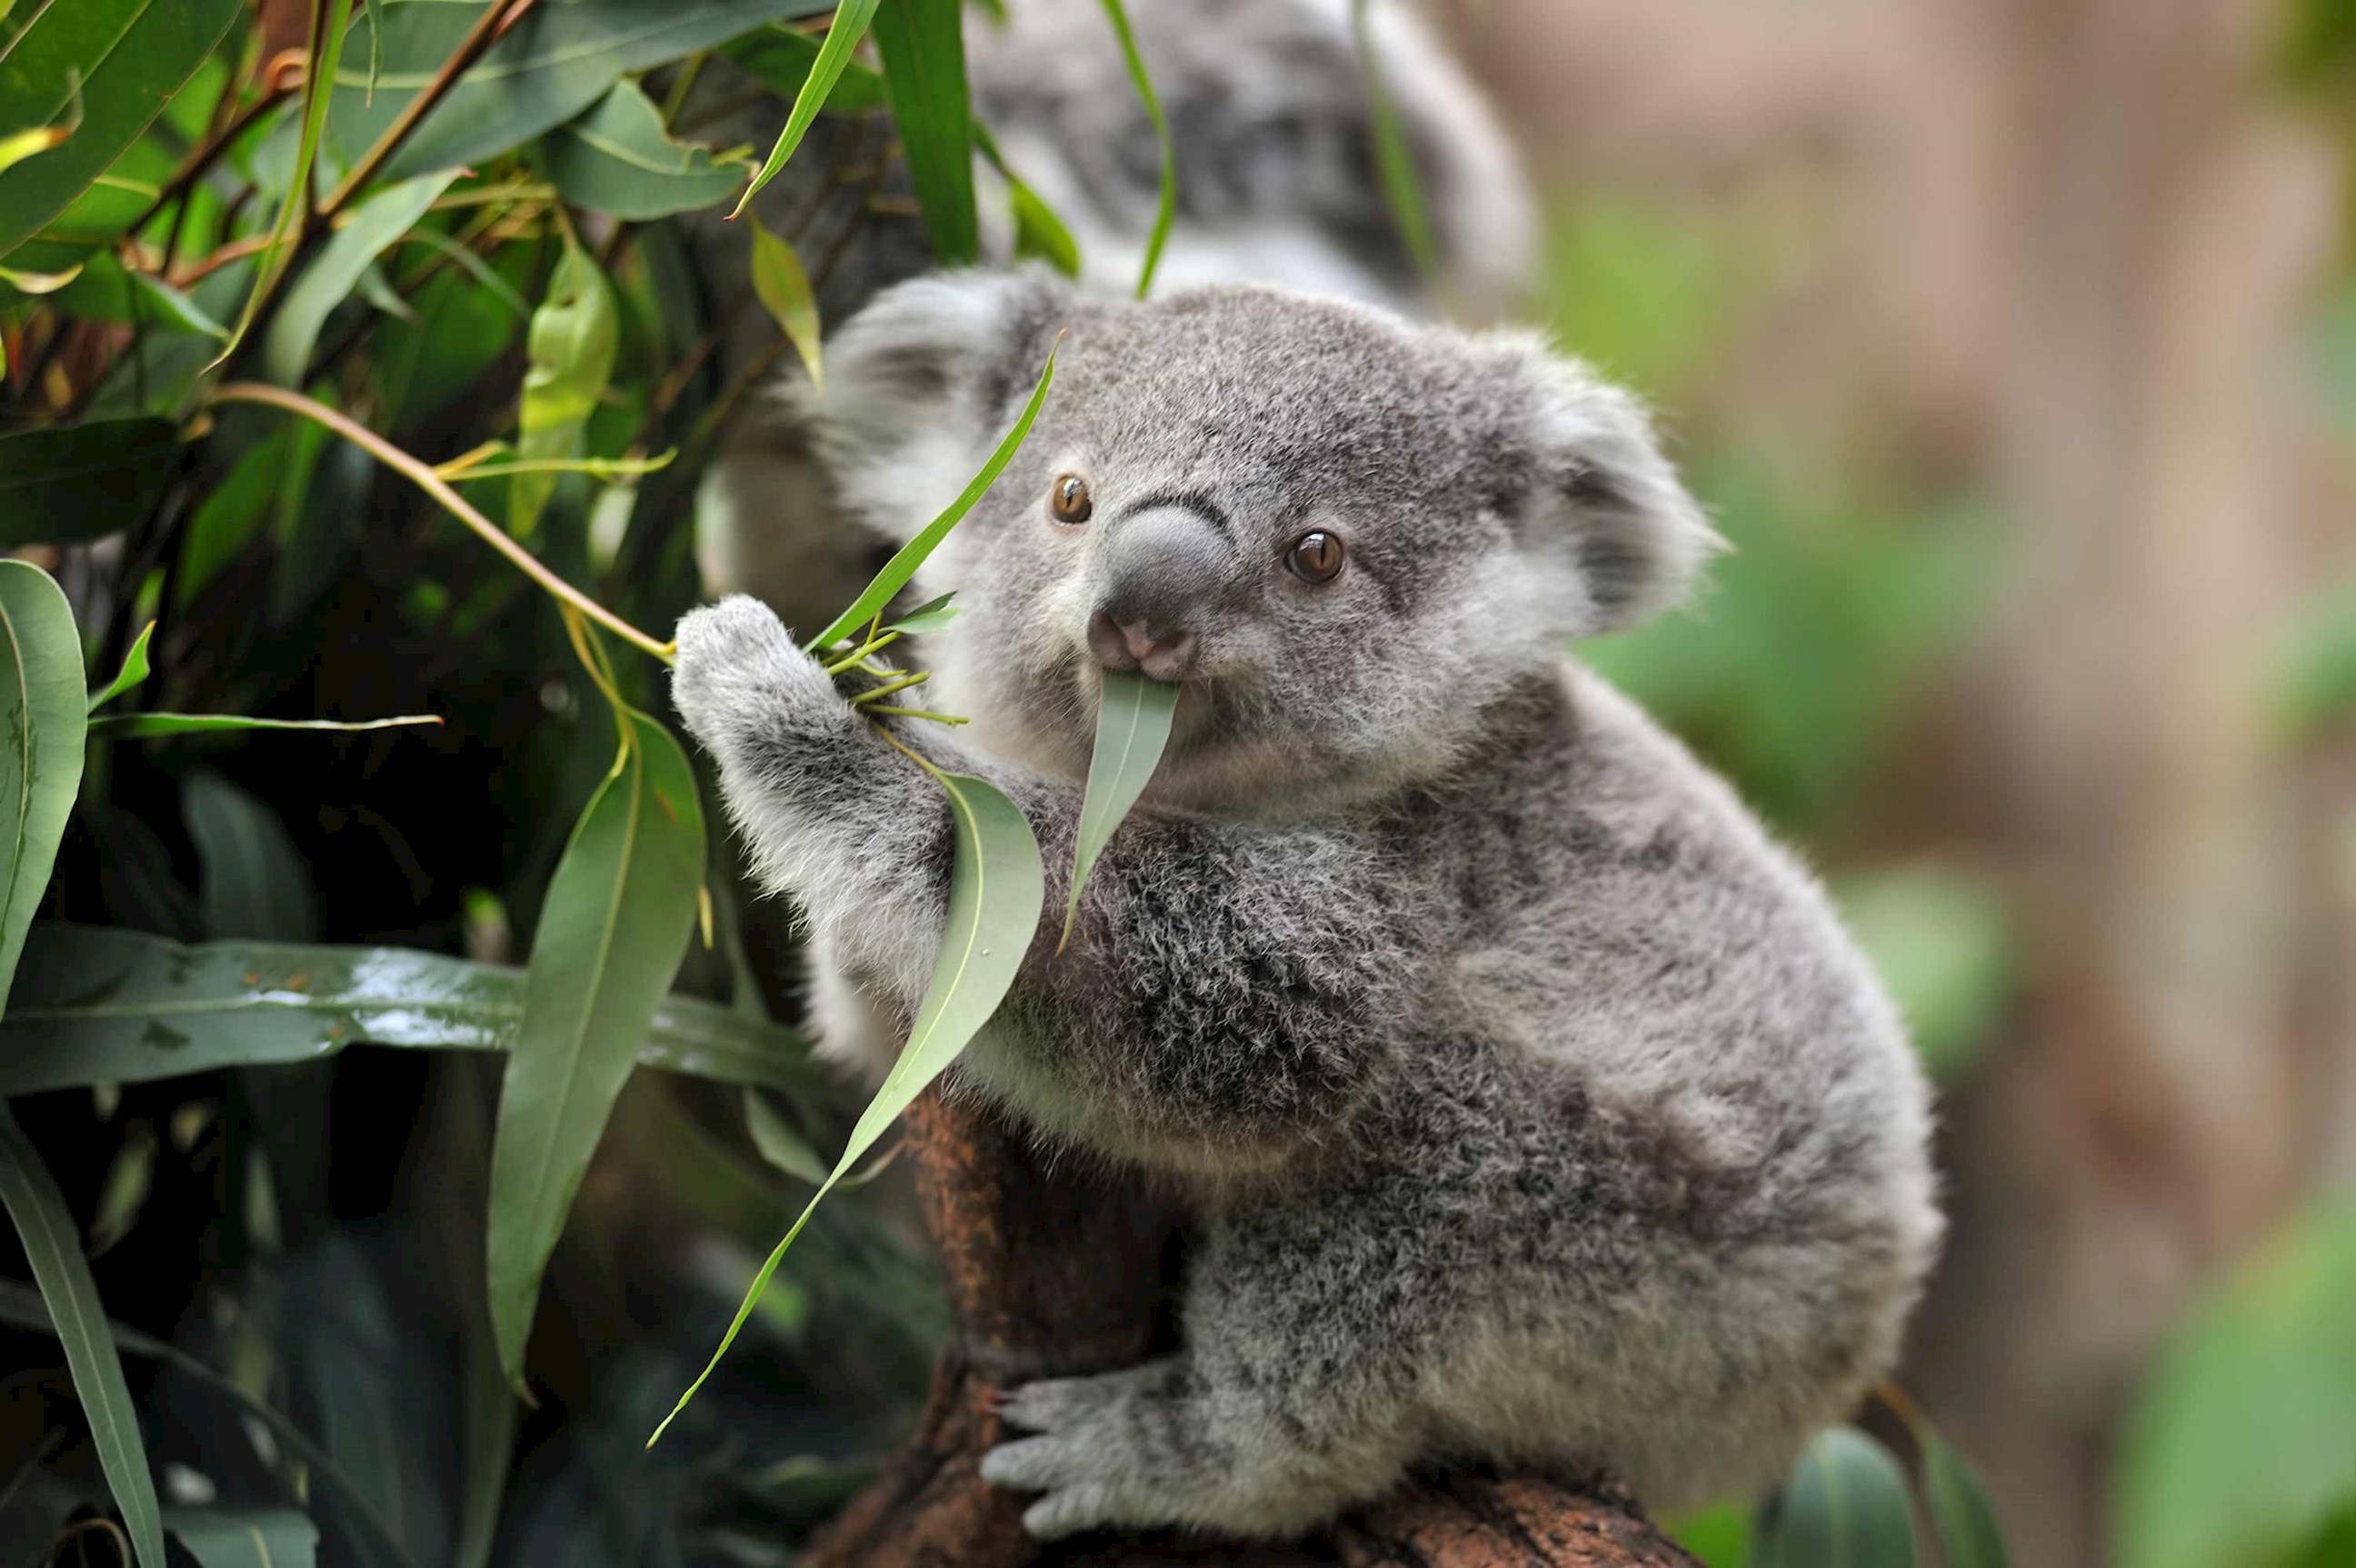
(495,20)
(193,167)
(421,473)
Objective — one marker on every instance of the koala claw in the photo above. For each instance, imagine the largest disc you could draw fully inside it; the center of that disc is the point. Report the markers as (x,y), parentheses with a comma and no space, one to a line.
(1090,1458)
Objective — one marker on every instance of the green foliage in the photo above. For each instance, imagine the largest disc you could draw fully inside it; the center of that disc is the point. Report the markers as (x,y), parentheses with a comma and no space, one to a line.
(44,712)
(923,50)
(1166,206)
(1844,1507)
(784,290)
(1133,724)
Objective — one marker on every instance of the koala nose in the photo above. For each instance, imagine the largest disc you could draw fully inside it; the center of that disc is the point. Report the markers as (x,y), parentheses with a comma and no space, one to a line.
(1162,655)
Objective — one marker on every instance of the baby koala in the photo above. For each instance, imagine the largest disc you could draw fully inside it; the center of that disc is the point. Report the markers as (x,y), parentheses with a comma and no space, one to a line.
(1534,1108)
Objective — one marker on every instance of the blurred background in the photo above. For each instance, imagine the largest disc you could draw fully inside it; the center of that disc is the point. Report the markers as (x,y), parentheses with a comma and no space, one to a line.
(2013,344)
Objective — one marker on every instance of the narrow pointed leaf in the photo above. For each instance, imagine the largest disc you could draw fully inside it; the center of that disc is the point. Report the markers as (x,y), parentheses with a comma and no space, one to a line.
(783,59)
(1038,232)
(922,46)
(784,290)
(245,1538)
(147,727)
(619,911)
(1844,1507)
(850,20)
(911,555)
(1166,208)
(1134,719)
(574,336)
(930,615)
(133,672)
(53,1248)
(337,270)
(44,714)
(109,1006)
(1962,1517)
(996,889)
(617,159)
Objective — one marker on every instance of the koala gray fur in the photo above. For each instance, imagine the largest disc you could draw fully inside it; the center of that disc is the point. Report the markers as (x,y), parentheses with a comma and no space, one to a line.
(1533,1106)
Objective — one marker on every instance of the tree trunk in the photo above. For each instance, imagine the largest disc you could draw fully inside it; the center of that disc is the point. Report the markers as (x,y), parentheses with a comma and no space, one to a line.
(1060,1272)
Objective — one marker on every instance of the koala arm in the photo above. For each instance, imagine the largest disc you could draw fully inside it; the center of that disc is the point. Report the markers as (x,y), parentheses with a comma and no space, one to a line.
(1225,982)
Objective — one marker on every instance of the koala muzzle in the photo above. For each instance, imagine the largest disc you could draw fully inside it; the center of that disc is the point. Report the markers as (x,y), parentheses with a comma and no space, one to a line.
(1162,570)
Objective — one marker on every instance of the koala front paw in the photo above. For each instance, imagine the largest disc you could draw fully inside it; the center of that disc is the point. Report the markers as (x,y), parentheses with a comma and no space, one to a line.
(739,673)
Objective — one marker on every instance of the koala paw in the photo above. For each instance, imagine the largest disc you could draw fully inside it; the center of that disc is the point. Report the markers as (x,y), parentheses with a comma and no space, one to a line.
(738,669)
(1117,1449)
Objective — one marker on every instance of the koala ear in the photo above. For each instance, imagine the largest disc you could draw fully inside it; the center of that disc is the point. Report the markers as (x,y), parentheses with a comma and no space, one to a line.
(921,383)
(1606,503)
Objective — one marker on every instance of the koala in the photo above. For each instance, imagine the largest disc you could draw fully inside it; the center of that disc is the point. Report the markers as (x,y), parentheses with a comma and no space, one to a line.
(1530,1105)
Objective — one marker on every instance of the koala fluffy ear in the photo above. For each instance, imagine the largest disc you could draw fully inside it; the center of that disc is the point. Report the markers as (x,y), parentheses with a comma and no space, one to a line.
(920,384)
(1607,503)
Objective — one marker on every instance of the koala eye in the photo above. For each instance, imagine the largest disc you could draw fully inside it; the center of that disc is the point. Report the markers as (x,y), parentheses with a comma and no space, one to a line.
(1316,556)
(1067,499)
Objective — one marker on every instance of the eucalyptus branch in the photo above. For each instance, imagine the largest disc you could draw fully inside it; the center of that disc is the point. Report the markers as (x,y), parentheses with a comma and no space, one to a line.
(496,19)
(421,473)
(192,169)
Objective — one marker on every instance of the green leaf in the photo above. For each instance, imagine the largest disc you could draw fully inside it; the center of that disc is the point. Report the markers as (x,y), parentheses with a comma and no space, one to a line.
(1394,160)
(574,336)
(2316,684)
(133,671)
(24,1308)
(245,1538)
(923,49)
(1166,209)
(1844,1507)
(783,59)
(122,60)
(2243,1442)
(335,269)
(911,555)
(253,881)
(619,911)
(930,615)
(784,291)
(111,1005)
(69,484)
(1962,1519)
(106,290)
(1134,719)
(46,1228)
(147,727)
(1719,1535)
(775,1139)
(554,62)
(1038,231)
(616,159)
(850,25)
(44,711)
(996,889)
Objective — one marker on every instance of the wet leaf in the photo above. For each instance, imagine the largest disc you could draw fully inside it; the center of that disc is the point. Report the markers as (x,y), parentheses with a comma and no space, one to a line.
(617,921)
(114,62)
(911,555)
(72,483)
(616,159)
(923,49)
(133,672)
(1843,1507)
(1134,719)
(850,25)
(44,712)
(996,889)
(109,1006)
(784,291)
(574,336)
(336,271)
(53,1248)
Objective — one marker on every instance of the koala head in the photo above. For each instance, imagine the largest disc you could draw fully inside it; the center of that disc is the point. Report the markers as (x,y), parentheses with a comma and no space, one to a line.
(1345,535)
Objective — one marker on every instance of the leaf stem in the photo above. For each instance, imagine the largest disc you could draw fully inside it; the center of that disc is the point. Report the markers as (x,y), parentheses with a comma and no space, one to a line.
(854,658)
(421,473)
(917,713)
(902,684)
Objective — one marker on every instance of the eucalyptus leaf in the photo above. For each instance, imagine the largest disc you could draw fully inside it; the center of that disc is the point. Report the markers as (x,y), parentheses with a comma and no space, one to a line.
(996,890)
(783,57)
(911,555)
(69,484)
(148,726)
(1166,205)
(574,336)
(922,45)
(109,1006)
(252,882)
(784,290)
(44,714)
(850,25)
(930,615)
(106,290)
(1963,1521)
(615,158)
(107,67)
(1134,719)
(1038,231)
(1844,1506)
(133,672)
(53,1248)
(618,914)
(337,270)
(245,1538)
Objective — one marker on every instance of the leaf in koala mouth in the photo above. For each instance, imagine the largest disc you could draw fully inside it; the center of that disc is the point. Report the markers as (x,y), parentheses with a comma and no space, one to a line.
(1133,721)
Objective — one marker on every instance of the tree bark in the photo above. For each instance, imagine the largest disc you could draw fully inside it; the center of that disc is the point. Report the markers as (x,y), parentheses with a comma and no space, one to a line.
(1060,1272)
